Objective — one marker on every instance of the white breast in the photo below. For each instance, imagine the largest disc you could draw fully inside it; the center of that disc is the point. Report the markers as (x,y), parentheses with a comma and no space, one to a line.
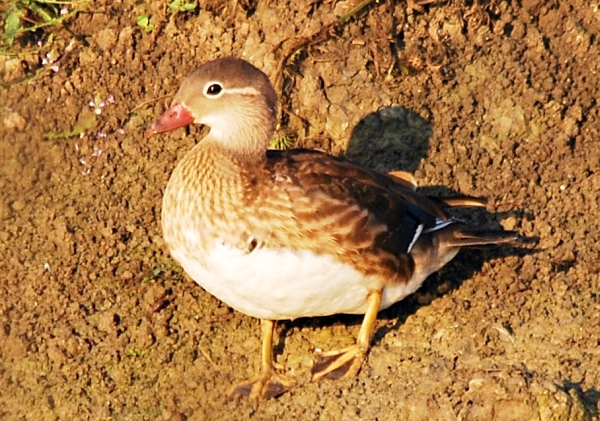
(284,284)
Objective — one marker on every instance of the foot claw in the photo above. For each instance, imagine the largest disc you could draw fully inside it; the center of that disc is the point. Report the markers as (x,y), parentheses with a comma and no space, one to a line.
(264,386)
(336,365)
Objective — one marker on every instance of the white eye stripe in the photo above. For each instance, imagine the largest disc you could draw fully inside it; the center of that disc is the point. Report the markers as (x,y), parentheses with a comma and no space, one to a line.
(248,90)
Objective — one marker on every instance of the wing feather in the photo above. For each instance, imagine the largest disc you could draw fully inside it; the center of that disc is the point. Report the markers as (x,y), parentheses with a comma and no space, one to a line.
(370,218)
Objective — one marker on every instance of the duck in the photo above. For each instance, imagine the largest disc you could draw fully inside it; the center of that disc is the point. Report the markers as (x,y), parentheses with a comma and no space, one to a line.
(297,233)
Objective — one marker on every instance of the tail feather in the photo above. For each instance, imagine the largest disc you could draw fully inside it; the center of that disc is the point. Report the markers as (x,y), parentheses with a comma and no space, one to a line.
(463,237)
(460,201)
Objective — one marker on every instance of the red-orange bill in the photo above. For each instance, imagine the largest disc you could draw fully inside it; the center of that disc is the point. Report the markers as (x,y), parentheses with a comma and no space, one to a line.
(176,116)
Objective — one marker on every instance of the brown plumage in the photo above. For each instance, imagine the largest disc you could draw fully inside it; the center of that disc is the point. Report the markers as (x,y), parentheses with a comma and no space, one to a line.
(298,233)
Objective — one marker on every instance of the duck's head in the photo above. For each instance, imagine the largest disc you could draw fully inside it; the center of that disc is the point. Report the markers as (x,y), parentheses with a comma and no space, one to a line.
(231,96)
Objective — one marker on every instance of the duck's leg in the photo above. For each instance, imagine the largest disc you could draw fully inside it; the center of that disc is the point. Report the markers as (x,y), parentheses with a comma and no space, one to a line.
(268,383)
(347,362)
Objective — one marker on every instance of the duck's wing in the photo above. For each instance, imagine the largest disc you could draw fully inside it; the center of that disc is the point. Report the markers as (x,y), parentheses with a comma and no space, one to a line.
(307,199)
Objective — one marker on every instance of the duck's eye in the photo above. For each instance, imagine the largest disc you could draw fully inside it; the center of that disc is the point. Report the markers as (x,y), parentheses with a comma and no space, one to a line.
(213,89)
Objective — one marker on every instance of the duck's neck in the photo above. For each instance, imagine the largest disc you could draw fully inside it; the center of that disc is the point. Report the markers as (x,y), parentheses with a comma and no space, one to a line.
(219,159)
(243,136)
(241,149)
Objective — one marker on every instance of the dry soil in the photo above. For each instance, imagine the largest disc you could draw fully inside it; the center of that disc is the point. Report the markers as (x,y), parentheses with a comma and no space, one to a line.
(486,98)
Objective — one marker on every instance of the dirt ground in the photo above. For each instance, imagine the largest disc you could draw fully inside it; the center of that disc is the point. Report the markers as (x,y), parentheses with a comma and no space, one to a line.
(487,98)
